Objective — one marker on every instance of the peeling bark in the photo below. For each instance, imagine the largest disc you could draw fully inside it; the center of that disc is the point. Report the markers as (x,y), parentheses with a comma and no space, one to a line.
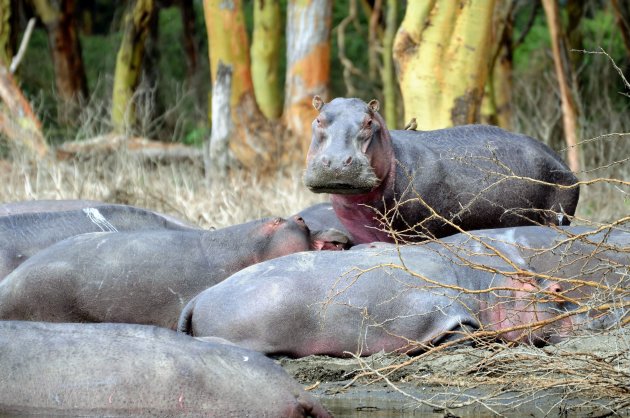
(308,69)
(442,52)
(216,149)
(253,142)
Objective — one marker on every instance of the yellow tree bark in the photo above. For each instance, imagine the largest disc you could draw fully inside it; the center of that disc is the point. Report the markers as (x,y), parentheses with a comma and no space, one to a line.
(308,68)
(442,51)
(265,54)
(129,63)
(564,75)
(252,141)
(5,33)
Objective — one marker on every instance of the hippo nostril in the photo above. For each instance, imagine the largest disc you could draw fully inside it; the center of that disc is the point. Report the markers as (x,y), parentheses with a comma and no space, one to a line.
(347,161)
(326,162)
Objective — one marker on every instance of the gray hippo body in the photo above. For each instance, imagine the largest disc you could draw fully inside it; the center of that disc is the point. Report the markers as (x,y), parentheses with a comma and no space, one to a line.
(47,205)
(586,261)
(474,176)
(133,370)
(142,277)
(363,301)
(23,235)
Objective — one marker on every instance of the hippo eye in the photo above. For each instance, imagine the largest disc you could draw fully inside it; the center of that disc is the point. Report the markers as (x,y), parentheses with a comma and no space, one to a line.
(368,123)
(277,221)
(318,122)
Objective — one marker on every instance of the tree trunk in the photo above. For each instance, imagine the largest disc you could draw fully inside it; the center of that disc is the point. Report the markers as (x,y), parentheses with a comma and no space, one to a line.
(387,74)
(190,45)
(622,16)
(308,69)
(253,142)
(6,51)
(63,41)
(497,103)
(564,75)
(266,42)
(442,51)
(216,149)
(129,62)
(18,122)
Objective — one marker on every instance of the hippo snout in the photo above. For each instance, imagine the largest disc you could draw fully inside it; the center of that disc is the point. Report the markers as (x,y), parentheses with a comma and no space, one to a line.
(345,174)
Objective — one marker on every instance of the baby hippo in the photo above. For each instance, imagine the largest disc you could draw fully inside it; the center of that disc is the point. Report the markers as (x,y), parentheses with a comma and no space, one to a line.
(145,277)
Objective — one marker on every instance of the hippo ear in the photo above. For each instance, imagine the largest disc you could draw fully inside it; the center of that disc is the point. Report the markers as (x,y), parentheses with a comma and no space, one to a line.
(374,105)
(317,102)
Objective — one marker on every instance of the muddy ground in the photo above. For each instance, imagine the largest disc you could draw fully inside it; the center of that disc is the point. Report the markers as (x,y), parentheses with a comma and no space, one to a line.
(584,376)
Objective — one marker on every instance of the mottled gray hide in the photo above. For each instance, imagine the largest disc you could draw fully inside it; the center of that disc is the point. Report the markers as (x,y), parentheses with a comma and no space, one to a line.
(475,176)
(363,301)
(24,234)
(133,370)
(143,277)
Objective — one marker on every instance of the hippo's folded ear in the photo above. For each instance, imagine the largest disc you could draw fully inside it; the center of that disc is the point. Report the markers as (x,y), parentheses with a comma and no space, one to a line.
(329,239)
(374,105)
(317,102)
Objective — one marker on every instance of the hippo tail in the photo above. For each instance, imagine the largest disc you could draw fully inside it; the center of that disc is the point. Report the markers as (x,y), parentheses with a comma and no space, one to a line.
(184,325)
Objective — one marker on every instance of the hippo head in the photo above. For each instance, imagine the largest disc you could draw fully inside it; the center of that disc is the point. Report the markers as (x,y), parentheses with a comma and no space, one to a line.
(347,136)
(286,236)
(532,311)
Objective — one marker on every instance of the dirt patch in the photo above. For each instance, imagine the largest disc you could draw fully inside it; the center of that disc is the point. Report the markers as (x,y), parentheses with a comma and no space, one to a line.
(583,376)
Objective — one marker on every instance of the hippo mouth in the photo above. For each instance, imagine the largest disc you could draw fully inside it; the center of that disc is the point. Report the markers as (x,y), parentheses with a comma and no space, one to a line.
(340,188)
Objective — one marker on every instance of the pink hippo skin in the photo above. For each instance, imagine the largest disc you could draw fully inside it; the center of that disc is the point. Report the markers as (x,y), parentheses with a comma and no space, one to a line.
(474,176)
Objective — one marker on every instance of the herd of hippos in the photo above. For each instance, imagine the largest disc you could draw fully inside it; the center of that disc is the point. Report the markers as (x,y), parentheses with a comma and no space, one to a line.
(117,310)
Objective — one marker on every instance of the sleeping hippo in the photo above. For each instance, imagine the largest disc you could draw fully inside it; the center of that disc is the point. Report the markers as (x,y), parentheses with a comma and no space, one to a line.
(371,299)
(419,184)
(134,370)
(144,277)
(25,234)
(322,216)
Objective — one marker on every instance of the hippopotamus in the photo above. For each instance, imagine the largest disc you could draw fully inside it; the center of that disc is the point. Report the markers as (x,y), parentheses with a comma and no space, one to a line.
(144,277)
(366,300)
(47,205)
(322,216)
(138,370)
(589,263)
(24,234)
(406,185)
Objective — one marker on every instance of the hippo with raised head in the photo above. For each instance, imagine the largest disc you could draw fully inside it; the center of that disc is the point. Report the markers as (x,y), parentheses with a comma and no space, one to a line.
(134,370)
(474,176)
(144,277)
(24,234)
(371,299)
